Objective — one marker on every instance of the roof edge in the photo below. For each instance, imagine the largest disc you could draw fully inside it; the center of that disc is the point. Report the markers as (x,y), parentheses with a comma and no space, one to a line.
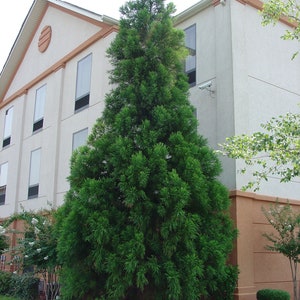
(24,36)
(191,11)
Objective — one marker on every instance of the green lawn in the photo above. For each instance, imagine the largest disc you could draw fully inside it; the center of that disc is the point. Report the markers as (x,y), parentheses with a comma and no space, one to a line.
(6,298)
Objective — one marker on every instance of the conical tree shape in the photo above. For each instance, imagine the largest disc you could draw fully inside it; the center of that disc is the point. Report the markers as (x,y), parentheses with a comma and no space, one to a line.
(145,217)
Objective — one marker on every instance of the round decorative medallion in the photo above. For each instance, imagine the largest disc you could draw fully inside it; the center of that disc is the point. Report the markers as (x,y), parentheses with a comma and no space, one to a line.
(45,38)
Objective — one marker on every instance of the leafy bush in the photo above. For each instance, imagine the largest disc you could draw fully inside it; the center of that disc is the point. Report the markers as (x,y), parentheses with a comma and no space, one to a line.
(269,294)
(5,282)
(3,241)
(24,287)
(227,282)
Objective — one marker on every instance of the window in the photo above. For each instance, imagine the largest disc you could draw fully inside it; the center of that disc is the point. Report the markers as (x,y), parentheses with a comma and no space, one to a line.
(83,82)
(79,138)
(34,174)
(190,61)
(7,127)
(38,118)
(3,182)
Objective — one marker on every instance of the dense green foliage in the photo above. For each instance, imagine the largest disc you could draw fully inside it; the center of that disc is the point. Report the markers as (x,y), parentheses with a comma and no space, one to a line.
(269,294)
(22,287)
(145,216)
(226,283)
(3,239)
(5,282)
(3,243)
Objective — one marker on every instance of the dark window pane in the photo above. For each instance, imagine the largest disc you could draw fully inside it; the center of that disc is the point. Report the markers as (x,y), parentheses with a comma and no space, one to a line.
(33,191)
(192,77)
(190,61)
(6,142)
(82,102)
(38,125)
(2,194)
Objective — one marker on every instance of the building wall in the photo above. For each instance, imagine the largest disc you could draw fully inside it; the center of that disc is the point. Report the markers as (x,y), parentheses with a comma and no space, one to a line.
(252,79)
(70,122)
(59,64)
(63,42)
(259,268)
(265,82)
(215,108)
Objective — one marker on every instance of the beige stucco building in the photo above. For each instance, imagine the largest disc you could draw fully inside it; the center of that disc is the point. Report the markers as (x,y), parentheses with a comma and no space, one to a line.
(53,85)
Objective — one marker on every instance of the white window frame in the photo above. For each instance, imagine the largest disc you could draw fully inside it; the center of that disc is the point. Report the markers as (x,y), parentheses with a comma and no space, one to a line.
(34,173)
(3,182)
(79,138)
(39,108)
(8,126)
(83,82)
(190,61)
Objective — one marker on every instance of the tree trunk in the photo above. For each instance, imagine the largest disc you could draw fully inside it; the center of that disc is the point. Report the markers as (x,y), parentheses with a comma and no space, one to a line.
(294,265)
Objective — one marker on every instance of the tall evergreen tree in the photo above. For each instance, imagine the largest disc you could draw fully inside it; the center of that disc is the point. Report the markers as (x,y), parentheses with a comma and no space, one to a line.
(145,216)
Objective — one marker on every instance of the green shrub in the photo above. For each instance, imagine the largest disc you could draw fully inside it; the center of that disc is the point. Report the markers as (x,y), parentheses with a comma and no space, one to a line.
(5,282)
(24,287)
(227,282)
(269,294)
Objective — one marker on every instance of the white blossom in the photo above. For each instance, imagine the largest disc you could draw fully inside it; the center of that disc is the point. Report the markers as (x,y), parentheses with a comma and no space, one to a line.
(14,272)
(31,244)
(2,230)
(25,256)
(38,250)
(104,162)
(46,257)
(36,230)
(34,221)
(168,156)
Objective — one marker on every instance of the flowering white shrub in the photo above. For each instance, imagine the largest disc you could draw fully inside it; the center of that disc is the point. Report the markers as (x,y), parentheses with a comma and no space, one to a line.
(2,230)
(34,221)
(37,248)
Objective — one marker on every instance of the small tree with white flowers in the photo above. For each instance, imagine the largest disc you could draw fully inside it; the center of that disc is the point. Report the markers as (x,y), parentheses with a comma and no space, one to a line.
(36,248)
(286,240)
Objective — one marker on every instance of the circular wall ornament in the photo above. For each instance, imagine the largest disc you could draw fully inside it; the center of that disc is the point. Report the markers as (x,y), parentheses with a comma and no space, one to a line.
(45,38)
